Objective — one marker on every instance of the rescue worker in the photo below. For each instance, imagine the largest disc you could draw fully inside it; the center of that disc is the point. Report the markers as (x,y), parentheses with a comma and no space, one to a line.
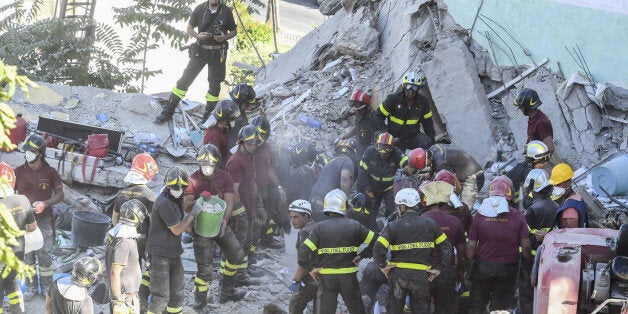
(330,254)
(303,286)
(412,239)
(222,119)
(492,254)
(403,113)
(68,295)
(122,258)
(243,95)
(365,124)
(539,125)
(20,209)
(215,26)
(301,177)
(143,170)
(540,219)
(572,212)
(211,180)
(536,156)
(43,186)
(163,245)
(454,159)
(375,180)
(338,173)
(443,287)
(243,218)
(455,207)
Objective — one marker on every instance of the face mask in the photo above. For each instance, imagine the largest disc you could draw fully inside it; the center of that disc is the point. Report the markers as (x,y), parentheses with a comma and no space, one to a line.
(208,170)
(558,191)
(176,193)
(232,123)
(30,156)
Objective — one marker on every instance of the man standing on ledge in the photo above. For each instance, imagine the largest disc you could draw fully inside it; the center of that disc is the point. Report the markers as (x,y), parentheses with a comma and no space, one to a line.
(215,25)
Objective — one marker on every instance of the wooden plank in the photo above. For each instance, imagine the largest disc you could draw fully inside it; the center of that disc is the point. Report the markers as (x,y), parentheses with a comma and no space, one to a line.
(516,79)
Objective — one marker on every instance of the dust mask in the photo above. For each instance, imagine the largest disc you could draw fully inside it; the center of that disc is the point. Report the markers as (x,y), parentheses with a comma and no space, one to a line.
(176,193)
(30,156)
(558,191)
(208,170)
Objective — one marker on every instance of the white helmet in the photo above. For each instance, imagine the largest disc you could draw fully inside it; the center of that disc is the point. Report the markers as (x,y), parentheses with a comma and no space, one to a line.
(335,202)
(301,206)
(412,78)
(540,178)
(408,196)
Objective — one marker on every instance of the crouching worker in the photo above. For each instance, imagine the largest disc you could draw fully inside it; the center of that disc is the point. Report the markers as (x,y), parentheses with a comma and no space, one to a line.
(122,258)
(68,295)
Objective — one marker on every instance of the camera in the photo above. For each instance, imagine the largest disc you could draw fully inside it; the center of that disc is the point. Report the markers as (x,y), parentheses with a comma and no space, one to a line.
(217,28)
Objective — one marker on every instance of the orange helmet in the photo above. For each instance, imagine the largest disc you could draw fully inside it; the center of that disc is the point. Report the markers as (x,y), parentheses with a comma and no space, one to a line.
(7,174)
(418,158)
(145,165)
(501,186)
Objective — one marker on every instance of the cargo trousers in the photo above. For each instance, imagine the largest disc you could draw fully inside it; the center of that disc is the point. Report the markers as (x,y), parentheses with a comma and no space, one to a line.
(166,284)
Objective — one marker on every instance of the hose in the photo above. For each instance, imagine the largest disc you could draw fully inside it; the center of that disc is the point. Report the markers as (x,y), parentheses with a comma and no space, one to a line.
(70,258)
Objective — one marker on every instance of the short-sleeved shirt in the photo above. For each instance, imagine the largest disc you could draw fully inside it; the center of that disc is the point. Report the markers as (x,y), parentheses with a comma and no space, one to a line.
(123,251)
(66,306)
(139,192)
(242,170)
(219,184)
(206,20)
(329,178)
(262,159)
(23,214)
(218,137)
(498,237)
(539,127)
(452,228)
(167,212)
(38,185)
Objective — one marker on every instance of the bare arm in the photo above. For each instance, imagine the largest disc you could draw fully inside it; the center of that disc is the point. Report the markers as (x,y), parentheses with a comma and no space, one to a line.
(182,226)
(549,142)
(349,133)
(199,36)
(48,305)
(56,198)
(526,248)
(346,180)
(299,274)
(472,247)
(188,202)
(116,286)
(236,195)
(115,218)
(228,198)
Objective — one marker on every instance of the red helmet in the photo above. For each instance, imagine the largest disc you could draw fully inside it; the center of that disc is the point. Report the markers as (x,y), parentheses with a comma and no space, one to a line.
(418,158)
(145,165)
(7,175)
(501,186)
(449,177)
(359,99)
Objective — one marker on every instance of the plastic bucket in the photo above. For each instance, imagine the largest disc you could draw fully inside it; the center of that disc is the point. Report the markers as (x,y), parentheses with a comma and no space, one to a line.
(612,176)
(89,228)
(208,223)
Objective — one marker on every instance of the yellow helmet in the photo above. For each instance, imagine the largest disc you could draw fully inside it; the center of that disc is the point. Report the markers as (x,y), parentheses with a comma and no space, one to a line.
(561,173)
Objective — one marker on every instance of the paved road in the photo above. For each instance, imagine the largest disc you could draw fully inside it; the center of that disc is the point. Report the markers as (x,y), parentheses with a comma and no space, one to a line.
(297,17)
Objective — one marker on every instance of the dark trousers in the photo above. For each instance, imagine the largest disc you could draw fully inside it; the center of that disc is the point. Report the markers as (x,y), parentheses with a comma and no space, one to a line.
(12,291)
(304,295)
(416,286)
(215,70)
(525,297)
(372,280)
(240,227)
(494,283)
(418,140)
(443,290)
(329,286)
(166,284)
(369,220)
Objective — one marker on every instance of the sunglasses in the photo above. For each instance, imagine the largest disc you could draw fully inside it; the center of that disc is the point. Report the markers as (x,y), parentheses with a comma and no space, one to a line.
(412,87)
(381,148)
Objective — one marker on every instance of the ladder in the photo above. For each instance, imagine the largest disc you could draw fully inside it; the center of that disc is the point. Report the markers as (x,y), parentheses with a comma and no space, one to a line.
(79,9)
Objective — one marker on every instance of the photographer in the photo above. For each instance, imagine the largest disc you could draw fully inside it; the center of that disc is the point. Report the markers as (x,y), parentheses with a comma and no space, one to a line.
(215,25)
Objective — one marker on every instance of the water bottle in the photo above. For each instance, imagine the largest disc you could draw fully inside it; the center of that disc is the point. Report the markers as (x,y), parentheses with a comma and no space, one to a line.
(310,121)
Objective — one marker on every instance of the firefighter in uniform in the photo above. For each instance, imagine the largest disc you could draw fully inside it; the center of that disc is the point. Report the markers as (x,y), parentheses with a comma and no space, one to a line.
(403,113)
(244,96)
(365,125)
(536,156)
(69,295)
(301,176)
(332,249)
(375,180)
(43,186)
(163,245)
(216,25)
(20,209)
(412,239)
(210,180)
(303,285)
(496,233)
(221,120)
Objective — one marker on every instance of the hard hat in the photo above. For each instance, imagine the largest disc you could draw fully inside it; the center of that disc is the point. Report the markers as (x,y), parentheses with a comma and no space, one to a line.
(33,241)
(8,175)
(226,109)
(243,94)
(86,271)
(561,173)
(407,196)
(263,127)
(384,141)
(335,202)
(208,154)
(412,78)
(437,192)
(248,134)
(144,165)
(347,147)
(133,212)
(501,186)
(527,98)
(35,143)
(302,153)
(449,177)
(301,206)
(537,151)
(176,178)
(359,99)
(540,179)
(418,157)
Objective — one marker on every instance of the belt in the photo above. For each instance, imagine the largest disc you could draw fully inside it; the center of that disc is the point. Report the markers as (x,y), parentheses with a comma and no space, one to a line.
(214,47)
(238,211)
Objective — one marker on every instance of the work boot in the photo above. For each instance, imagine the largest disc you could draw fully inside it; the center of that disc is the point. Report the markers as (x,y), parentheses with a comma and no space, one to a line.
(168,111)
(200,301)
(30,293)
(227,290)
(209,107)
(243,279)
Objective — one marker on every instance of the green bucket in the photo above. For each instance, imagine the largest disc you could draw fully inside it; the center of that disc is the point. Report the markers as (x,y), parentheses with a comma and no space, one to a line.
(209,221)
